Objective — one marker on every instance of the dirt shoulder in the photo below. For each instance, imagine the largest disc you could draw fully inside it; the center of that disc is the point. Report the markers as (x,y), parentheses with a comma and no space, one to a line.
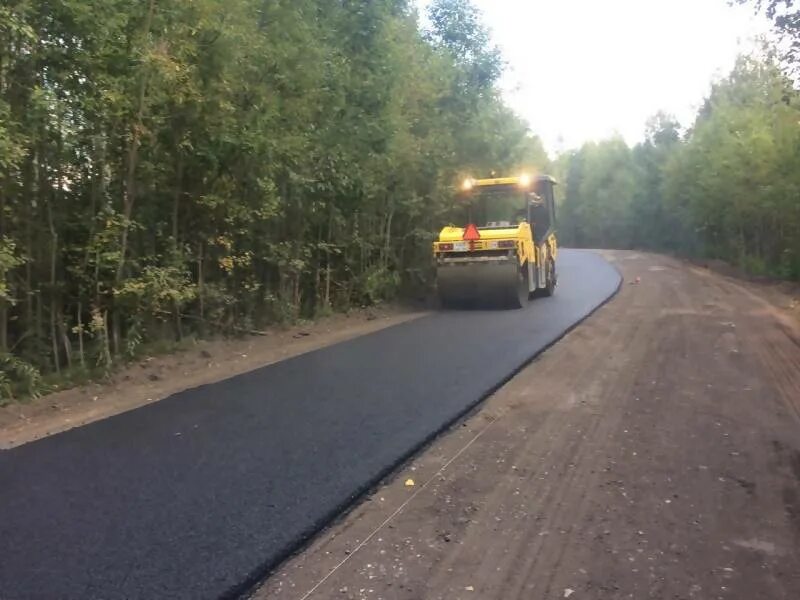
(782,294)
(653,453)
(155,378)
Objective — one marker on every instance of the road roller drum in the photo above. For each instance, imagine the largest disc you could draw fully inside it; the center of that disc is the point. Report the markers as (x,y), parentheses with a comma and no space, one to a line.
(510,255)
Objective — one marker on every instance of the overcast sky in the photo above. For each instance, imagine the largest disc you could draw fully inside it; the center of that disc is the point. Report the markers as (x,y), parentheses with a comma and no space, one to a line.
(585,69)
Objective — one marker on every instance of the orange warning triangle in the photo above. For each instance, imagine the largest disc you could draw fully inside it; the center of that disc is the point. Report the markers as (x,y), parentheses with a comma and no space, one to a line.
(471,233)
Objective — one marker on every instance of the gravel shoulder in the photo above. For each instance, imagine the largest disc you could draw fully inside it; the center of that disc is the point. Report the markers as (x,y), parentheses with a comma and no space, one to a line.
(654,452)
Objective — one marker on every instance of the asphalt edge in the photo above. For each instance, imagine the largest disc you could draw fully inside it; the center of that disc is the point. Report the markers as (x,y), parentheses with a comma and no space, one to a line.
(257,578)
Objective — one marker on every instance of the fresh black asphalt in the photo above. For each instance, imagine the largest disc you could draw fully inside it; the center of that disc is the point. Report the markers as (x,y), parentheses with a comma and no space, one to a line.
(198,495)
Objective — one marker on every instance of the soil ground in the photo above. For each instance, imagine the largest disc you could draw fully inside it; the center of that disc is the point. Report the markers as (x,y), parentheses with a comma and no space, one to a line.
(153,378)
(653,453)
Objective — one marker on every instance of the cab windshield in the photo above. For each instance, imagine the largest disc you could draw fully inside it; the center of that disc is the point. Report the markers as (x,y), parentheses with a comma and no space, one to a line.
(497,208)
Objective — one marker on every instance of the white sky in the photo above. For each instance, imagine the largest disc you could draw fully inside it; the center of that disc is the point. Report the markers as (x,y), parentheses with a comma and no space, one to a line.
(586,69)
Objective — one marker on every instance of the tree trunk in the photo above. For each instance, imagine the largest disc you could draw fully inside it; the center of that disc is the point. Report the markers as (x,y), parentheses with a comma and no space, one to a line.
(106,347)
(328,259)
(388,236)
(200,282)
(178,328)
(116,335)
(80,337)
(3,304)
(129,191)
(3,327)
(53,295)
(65,339)
(176,200)
(27,192)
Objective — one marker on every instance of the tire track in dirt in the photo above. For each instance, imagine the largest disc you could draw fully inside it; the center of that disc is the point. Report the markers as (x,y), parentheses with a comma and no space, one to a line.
(570,498)
(572,461)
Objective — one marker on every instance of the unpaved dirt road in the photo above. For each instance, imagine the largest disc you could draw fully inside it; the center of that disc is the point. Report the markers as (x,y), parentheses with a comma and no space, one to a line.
(652,453)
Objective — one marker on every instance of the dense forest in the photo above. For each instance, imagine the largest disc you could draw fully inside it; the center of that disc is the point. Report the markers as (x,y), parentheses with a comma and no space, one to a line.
(180,168)
(726,186)
(171,168)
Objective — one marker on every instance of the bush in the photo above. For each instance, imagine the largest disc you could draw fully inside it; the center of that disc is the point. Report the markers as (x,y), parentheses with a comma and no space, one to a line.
(18,378)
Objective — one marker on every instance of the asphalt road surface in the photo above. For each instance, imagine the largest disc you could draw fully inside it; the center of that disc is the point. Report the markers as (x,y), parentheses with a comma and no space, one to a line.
(198,495)
(653,453)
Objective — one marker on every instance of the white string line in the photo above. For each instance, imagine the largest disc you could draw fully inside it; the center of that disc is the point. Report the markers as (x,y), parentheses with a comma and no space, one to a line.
(399,510)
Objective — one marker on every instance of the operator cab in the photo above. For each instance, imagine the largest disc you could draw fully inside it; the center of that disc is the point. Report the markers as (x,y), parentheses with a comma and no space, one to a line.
(507,202)
(542,208)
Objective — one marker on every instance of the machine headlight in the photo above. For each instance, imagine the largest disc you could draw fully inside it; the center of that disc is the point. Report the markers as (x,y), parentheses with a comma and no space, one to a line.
(467,185)
(525,180)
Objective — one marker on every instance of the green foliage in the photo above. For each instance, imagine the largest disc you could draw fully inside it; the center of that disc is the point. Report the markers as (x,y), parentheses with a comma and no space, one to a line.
(739,170)
(457,29)
(156,291)
(600,184)
(18,378)
(785,18)
(169,166)
(379,284)
(728,190)
(9,260)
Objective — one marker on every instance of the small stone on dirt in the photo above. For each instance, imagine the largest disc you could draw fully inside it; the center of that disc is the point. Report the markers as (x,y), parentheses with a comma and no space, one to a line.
(153,377)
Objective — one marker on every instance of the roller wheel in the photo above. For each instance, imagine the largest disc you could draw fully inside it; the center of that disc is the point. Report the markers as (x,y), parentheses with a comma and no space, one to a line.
(448,302)
(522,291)
(550,278)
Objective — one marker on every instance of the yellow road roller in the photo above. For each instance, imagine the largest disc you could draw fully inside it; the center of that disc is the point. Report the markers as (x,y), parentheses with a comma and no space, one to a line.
(506,252)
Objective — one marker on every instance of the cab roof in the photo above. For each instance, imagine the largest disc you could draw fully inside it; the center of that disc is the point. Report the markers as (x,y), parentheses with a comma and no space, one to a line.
(510,180)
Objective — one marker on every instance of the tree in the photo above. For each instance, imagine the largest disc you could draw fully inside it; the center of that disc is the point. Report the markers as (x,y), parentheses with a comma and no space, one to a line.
(172,168)
(654,224)
(727,189)
(457,29)
(785,17)
(737,176)
(600,186)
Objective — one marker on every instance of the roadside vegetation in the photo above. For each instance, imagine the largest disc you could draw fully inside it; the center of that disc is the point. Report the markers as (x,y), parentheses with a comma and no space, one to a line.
(727,186)
(171,169)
